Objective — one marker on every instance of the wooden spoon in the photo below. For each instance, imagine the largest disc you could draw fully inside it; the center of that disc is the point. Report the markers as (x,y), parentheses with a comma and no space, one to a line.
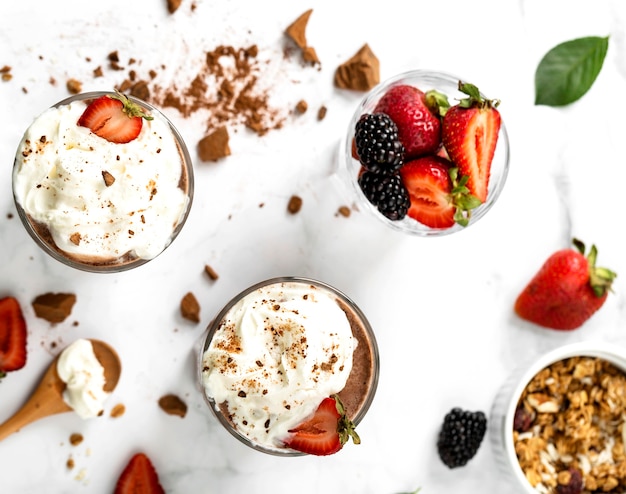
(47,399)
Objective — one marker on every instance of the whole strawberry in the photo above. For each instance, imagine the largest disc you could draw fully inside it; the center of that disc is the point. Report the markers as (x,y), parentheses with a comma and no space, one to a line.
(567,290)
(470,135)
(416,114)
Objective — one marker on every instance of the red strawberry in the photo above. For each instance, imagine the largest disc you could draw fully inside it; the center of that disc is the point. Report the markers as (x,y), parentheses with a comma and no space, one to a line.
(470,134)
(139,477)
(566,291)
(325,432)
(114,117)
(438,198)
(12,336)
(416,114)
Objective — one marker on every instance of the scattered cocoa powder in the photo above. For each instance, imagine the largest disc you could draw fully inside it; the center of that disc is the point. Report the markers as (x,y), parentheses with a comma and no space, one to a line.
(295,204)
(173,405)
(76,439)
(118,410)
(190,308)
(172,5)
(74,86)
(214,146)
(211,273)
(227,85)
(54,307)
(297,32)
(360,73)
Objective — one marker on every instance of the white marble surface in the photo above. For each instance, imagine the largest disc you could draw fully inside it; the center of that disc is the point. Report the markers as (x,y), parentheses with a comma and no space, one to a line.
(441,308)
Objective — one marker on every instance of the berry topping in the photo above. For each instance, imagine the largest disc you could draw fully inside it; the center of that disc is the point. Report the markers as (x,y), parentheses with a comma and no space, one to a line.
(139,477)
(416,114)
(377,144)
(12,336)
(438,198)
(460,436)
(325,432)
(470,134)
(114,117)
(573,482)
(386,192)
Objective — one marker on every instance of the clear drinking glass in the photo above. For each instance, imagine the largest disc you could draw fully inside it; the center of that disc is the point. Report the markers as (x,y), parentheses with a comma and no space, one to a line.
(115,190)
(349,167)
(360,388)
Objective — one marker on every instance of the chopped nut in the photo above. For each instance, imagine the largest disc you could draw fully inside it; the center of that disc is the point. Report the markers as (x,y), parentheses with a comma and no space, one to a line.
(295,204)
(190,308)
(108,178)
(118,410)
(76,439)
(75,238)
(302,106)
(74,86)
(211,273)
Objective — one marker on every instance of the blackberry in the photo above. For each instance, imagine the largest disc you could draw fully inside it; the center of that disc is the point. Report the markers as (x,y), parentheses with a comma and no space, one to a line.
(377,143)
(387,192)
(460,436)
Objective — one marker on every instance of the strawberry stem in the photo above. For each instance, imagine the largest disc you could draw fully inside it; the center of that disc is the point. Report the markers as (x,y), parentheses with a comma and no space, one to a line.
(345,426)
(437,102)
(129,107)
(600,279)
(475,100)
(461,198)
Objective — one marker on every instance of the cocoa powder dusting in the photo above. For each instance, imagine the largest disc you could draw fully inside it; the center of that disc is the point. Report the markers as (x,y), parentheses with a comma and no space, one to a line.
(226,86)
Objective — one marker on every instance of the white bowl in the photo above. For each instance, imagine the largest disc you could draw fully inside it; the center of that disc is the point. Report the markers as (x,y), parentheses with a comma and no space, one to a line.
(505,404)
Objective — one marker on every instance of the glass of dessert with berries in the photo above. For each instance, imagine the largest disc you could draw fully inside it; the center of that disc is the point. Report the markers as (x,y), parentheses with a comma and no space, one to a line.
(290,367)
(103,182)
(427,153)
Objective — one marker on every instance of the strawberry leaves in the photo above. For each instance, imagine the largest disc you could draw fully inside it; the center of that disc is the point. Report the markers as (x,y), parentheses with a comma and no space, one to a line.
(567,71)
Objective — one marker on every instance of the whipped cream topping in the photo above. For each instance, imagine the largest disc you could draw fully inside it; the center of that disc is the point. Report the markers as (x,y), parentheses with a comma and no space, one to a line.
(83,376)
(275,356)
(98,199)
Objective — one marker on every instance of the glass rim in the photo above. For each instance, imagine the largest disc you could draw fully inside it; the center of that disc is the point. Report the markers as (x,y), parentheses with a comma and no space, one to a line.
(214,325)
(112,267)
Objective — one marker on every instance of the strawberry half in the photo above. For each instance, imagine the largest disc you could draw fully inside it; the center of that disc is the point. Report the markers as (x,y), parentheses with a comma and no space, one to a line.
(566,291)
(139,477)
(325,432)
(416,114)
(438,198)
(12,336)
(114,117)
(470,135)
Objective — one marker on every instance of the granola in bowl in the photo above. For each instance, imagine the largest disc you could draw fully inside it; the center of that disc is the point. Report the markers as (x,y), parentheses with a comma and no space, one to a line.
(559,428)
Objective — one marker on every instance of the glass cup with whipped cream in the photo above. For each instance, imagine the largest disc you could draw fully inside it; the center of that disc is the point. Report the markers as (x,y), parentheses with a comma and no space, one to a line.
(276,351)
(97,205)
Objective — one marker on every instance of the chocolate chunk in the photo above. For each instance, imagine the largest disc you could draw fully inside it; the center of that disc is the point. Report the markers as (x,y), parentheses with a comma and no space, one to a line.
(215,145)
(173,405)
(190,308)
(359,73)
(54,307)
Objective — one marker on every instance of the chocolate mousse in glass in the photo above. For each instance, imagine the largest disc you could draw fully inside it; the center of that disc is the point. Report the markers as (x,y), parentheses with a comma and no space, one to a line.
(276,350)
(97,205)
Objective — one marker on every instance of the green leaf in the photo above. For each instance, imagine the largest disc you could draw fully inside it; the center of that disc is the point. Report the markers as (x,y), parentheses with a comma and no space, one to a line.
(568,70)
